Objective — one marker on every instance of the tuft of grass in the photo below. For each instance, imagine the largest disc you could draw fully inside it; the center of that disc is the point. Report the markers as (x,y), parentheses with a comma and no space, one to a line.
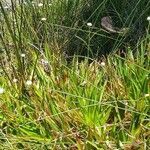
(85,106)
(47,102)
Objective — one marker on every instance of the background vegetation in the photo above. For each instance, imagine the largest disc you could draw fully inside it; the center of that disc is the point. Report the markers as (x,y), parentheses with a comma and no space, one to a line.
(67,85)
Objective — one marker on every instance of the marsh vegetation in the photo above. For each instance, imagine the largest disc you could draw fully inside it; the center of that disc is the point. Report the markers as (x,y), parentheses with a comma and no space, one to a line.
(74,74)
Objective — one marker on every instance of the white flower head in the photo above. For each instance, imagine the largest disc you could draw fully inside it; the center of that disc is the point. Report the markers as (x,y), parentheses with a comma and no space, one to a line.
(50,4)
(102,64)
(147,95)
(15,80)
(148,18)
(89,24)
(23,55)
(1,90)
(43,19)
(40,4)
(28,82)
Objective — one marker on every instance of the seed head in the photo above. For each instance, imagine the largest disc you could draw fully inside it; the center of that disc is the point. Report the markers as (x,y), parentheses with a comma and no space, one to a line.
(15,80)
(23,55)
(28,82)
(43,19)
(40,4)
(147,95)
(148,18)
(1,90)
(89,24)
(102,64)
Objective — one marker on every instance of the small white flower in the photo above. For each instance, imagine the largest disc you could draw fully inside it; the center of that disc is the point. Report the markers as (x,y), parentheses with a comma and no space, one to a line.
(40,4)
(23,55)
(43,19)
(15,80)
(89,24)
(148,18)
(15,22)
(1,90)
(146,95)
(50,4)
(28,82)
(102,64)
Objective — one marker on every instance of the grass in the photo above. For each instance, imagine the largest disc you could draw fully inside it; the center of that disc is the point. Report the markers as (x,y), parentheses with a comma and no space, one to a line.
(48,102)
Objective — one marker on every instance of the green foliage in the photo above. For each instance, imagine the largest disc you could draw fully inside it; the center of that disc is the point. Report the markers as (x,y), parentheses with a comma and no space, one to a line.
(87,106)
(66,24)
(48,103)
